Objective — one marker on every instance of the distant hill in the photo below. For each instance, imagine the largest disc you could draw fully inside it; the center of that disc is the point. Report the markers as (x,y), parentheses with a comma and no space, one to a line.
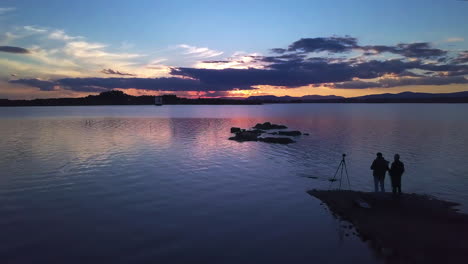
(404,97)
(290,98)
(320,97)
(411,95)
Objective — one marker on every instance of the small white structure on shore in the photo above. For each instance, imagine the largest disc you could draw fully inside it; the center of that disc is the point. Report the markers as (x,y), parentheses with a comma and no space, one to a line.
(158,100)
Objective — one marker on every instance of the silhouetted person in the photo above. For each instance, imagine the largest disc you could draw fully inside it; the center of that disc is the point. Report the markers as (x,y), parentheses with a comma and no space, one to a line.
(396,170)
(379,167)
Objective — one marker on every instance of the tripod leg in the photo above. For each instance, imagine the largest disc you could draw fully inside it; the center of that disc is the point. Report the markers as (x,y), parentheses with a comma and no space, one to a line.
(347,176)
(341,173)
(334,176)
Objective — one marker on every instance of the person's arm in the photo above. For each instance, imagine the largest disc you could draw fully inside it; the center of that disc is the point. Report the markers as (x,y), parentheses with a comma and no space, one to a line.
(372,167)
(402,168)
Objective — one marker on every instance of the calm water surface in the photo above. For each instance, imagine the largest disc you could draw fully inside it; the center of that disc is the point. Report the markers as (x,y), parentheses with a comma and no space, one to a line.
(147,184)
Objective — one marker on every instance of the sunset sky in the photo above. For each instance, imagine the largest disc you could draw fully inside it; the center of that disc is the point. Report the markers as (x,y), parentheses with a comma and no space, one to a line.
(232,48)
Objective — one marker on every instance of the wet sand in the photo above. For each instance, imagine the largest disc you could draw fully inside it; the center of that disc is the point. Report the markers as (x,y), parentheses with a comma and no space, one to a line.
(409,228)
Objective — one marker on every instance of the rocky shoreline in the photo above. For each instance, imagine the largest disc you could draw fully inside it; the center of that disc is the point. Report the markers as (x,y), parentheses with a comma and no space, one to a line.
(410,228)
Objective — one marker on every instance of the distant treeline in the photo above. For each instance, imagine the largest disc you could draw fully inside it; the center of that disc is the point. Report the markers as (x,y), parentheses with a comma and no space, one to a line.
(120,98)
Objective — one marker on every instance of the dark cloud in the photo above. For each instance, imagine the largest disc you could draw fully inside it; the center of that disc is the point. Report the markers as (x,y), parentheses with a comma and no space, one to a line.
(409,74)
(43,85)
(278,50)
(240,78)
(462,57)
(236,59)
(283,58)
(289,73)
(442,67)
(331,44)
(413,50)
(347,43)
(355,85)
(394,82)
(11,49)
(104,84)
(113,72)
(296,72)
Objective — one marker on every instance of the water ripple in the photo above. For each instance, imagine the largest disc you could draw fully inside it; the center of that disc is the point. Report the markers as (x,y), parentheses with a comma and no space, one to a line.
(146,183)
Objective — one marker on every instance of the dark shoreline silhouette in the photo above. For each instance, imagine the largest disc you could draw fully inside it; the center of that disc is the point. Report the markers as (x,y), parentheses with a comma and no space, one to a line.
(410,228)
(120,98)
(404,97)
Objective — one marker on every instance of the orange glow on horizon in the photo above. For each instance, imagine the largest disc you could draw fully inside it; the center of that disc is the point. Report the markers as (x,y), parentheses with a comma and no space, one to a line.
(26,92)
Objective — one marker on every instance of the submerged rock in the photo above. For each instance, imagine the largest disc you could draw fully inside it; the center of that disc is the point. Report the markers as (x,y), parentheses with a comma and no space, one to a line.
(257,131)
(268,126)
(279,140)
(235,129)
(290,133)
(245,136)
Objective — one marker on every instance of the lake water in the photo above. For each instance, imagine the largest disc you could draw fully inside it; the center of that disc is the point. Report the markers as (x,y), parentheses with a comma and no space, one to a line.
(147,184)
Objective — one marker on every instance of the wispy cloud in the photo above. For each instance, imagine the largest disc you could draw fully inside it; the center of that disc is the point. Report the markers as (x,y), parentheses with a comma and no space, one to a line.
(239,60)
(455,39)
(4,10)
(96,53)
(199,52)
(35,29)
(55,51)
(20,33)
(8,37)
(114,72)
(60,35)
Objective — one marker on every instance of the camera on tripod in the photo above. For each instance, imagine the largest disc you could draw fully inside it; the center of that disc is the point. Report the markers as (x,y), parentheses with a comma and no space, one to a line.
(341,167)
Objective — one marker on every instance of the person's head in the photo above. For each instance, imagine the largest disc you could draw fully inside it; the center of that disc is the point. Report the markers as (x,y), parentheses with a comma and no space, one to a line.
(397,157)
(379,155)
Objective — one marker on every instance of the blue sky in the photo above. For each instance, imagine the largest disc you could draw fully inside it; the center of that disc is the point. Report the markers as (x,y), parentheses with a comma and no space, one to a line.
(156,29)
(245,25)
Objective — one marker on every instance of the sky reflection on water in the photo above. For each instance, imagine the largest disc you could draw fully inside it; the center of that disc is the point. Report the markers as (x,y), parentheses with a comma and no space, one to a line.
(143,183)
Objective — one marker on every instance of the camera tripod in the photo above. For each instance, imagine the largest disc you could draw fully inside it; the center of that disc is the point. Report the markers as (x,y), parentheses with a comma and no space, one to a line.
(341,167)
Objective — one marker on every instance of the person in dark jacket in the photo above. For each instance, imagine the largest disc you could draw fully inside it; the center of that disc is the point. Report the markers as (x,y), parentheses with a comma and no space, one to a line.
(396,170)
(379,167)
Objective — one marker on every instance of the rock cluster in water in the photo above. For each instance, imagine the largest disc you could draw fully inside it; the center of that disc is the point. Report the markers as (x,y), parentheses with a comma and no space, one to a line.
(268,126)
(258,130)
